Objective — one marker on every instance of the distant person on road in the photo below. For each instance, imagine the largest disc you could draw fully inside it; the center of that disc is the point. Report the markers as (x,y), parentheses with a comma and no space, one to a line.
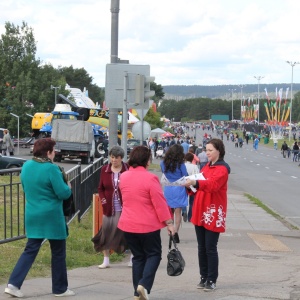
(209,212)
(203,159)
(284,149)
(185,147)
(275,141)
(45,191)
(110,237)
(255,143)
(7,143)
(295,151)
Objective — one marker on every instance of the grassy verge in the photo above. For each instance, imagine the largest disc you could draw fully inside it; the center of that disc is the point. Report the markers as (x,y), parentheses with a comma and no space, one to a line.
(80,252)
(270,211)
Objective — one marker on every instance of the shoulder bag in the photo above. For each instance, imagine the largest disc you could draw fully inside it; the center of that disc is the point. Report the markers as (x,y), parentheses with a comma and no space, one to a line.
(176,261)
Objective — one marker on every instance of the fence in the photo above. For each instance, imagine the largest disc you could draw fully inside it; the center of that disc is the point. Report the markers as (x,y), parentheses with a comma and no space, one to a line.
(12,198)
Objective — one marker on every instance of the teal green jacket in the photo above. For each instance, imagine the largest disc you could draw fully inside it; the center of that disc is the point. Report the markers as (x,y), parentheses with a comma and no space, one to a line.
(45,191)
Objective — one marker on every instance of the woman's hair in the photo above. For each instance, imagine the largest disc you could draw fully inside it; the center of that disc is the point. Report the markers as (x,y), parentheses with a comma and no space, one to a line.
(42,146)
(218,145)
(189,157)
(191,150)
(174,158)
(116,151)
(139,156)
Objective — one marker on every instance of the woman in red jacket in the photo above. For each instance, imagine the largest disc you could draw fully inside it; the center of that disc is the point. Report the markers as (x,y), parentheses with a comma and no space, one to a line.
(209,212)
(145,213)
(109,236)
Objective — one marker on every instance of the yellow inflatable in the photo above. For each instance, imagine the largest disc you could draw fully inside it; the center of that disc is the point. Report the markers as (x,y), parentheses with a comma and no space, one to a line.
(39,119)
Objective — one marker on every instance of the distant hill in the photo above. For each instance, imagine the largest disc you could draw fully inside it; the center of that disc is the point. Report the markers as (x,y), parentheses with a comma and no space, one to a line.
(181,92)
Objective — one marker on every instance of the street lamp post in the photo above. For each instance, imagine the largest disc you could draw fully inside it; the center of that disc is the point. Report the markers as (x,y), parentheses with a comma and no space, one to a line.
(18,131)
(258,80)
(55,88)
(292,64)
(231,90)
(241,87)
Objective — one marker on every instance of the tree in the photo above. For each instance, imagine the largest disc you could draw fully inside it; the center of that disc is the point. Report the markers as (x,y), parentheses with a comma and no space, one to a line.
(18,69)
(79,78)
(159,94)
(153,118)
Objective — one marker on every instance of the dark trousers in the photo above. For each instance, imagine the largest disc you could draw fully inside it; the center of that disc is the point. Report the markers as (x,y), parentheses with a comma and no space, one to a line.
(208,253)
(58,264)
(146,250)
(191,202)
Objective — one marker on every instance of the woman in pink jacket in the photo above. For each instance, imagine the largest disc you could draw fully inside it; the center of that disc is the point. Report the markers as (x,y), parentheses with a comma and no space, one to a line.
(145,212)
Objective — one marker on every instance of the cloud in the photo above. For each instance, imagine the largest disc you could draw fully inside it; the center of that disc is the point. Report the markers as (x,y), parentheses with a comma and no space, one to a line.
(185,42)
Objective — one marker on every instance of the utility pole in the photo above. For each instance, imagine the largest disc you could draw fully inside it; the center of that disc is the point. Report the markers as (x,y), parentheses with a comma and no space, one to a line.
(113,112)
(241,87)
(231,90)
(258,81)
(55,88)
(292,64)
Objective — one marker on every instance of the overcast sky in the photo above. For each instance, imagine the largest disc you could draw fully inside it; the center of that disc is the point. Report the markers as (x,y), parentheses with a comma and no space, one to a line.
(191,42)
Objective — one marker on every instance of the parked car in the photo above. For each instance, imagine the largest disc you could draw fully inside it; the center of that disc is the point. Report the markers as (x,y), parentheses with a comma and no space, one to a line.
(131,143)
(24,142)
(9,162)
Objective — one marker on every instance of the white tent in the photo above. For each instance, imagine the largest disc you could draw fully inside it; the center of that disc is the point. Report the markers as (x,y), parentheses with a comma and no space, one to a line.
(157,132)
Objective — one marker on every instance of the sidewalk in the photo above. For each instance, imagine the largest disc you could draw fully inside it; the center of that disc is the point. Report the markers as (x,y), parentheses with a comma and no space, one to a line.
(259,259)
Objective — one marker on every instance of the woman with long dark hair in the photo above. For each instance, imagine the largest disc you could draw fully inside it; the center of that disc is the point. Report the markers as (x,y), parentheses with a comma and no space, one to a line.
(173,167)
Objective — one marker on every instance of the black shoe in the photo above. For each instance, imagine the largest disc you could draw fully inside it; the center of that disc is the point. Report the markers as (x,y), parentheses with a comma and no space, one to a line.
(201,284)
(209,286)
(176,238)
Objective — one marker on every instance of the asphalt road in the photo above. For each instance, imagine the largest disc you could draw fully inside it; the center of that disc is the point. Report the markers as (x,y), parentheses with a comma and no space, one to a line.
(264,174)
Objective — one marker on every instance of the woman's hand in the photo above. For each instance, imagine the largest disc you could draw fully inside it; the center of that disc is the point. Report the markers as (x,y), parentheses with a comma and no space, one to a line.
(190,182)
(171,229)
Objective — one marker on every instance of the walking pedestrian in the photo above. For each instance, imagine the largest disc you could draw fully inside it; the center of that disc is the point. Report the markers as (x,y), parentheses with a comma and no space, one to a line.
(145,213)
(45,190)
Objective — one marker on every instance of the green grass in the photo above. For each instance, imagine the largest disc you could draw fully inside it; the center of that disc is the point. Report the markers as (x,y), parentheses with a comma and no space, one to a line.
(80,252)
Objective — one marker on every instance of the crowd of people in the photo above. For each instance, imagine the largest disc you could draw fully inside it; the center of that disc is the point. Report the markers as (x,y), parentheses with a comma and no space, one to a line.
(127,191)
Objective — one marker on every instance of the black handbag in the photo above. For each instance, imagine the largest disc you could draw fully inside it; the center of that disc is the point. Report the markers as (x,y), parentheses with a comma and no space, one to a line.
(69,206)
(176,261)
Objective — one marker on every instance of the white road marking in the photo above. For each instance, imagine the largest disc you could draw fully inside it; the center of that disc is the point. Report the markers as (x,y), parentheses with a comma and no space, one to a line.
(294,177)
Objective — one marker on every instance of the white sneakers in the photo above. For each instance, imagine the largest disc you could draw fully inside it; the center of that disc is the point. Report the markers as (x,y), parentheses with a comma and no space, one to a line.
(67,293)
(13,291)
(104,266)
(142,292)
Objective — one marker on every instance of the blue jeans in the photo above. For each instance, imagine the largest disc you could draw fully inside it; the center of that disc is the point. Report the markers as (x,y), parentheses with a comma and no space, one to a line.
(58,264)
(146,250)
(208,253)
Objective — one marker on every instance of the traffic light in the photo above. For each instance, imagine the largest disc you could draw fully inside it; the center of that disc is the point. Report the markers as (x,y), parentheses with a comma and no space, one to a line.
(142,88)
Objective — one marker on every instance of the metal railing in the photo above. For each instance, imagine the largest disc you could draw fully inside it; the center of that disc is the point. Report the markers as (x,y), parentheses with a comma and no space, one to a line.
(12,198)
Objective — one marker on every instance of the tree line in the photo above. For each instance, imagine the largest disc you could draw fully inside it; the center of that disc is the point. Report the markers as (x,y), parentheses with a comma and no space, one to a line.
(25,80)
(202,108)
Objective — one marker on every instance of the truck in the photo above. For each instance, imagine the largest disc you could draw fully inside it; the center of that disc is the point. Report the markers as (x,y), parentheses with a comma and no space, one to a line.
(74,139)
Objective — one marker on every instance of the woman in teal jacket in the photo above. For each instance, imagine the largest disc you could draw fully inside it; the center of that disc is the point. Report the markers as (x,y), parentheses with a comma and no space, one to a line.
(45,190)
